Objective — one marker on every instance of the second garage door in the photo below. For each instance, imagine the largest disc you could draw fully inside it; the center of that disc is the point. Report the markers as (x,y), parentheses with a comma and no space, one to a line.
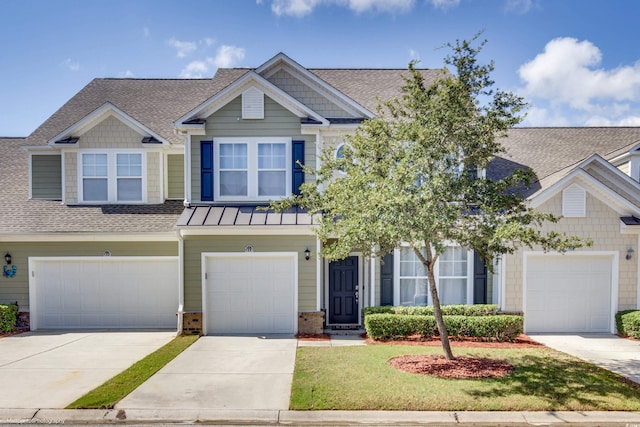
(250,293)
(103,292)
(568,293)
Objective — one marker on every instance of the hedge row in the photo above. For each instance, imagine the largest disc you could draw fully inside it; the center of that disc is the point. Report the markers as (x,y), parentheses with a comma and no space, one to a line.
(8,317)
(385,326)
(628,323)
(447,310)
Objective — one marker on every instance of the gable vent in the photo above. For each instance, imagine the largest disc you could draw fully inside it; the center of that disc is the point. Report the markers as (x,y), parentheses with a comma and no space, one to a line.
(574,201)
(252,104)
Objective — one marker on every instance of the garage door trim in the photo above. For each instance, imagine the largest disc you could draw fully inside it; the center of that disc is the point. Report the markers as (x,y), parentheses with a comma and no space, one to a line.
(292,256)
(33,261)
(614,258)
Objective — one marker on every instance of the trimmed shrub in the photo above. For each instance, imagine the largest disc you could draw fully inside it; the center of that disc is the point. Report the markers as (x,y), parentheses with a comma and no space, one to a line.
(447,310)
(385,326)
(628,323)
(8,317)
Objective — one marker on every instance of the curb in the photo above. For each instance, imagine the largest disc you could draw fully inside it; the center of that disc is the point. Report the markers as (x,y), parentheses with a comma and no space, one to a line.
(289,418)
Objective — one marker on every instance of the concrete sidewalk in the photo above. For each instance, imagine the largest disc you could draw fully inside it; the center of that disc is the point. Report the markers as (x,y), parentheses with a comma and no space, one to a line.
(608,351)
(284,417)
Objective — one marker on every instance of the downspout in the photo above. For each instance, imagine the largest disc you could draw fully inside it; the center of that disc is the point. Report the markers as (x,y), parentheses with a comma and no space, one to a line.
(372,280)
(187,169)
(180,283)
(319,259)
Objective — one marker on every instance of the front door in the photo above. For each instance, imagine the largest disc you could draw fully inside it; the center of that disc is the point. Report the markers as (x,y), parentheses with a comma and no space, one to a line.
(343,291)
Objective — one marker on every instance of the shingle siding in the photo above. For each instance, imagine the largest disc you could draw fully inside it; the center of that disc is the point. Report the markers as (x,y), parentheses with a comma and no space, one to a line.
(602,225)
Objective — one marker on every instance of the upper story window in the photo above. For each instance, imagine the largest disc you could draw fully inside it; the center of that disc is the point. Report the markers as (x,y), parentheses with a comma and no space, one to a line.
(252,168)
(111,177)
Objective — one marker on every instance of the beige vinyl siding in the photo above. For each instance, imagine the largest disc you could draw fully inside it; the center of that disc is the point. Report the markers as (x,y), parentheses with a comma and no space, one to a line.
(175,176)
(154,184)
(17,288)
(46,177)
(110,133)
(227,122)
(602,225)
(625,168)
(71,178)
(194,246)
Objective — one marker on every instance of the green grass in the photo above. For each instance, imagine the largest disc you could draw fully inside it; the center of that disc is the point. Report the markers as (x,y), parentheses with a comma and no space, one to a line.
(359,378)
(111,392)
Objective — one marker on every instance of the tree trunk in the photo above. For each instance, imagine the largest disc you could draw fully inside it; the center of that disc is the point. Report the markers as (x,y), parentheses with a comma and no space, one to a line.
(437,312)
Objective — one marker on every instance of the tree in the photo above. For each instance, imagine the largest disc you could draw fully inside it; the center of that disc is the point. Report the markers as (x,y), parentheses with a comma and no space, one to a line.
(409,176)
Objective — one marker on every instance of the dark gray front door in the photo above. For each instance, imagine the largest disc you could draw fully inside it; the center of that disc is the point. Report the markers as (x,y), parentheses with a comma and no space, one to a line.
(343,291)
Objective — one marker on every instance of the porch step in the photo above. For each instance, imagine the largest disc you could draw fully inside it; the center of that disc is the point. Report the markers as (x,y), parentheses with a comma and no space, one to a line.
(342,330)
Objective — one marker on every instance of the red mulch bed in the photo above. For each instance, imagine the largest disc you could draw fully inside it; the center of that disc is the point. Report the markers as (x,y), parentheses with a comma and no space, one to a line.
(460,367)
(313,337)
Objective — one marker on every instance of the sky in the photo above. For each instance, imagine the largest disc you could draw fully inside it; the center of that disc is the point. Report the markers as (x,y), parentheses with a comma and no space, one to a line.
(576,62)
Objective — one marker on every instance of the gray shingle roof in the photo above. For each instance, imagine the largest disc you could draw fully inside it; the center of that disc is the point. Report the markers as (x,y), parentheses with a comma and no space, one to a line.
(553,152)
(19,215)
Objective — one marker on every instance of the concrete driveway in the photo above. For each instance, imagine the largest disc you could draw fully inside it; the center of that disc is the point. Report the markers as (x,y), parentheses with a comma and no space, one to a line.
(222,372)
(608,351)
(52,369)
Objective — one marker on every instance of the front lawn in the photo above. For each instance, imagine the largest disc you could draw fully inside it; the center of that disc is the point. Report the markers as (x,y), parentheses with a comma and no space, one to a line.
(359,378)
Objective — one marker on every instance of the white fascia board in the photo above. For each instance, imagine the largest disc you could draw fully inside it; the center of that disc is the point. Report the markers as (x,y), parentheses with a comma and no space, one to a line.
(106,110)
(90,237)
(619,203)
(39,149)
(244,230)
(235,89)
(614,170)
(313,80)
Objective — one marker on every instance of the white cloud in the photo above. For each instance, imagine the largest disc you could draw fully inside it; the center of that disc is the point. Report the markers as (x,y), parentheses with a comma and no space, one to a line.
(127,74)
(228,56)
(208,41)
(519,7)
(182,48)
(567,85)
(196,70)
(445,4)
(414,55)
(300,8)
(71,64)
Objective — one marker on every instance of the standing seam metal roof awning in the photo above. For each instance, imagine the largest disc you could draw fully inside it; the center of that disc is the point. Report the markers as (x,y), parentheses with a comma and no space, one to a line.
(241,216)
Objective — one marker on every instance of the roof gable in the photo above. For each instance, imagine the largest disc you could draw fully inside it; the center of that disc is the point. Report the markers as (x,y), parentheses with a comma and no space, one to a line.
(69,135)
(235,89)
(601,179)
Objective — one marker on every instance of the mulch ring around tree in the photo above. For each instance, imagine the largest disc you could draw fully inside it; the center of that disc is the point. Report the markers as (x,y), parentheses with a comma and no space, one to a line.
(460,367)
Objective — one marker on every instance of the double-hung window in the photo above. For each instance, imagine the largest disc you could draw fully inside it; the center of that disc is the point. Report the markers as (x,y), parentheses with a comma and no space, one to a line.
(452,277)
(112,177)
(252,168)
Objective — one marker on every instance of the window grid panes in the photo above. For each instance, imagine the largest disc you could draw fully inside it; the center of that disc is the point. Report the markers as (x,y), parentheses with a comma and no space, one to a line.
(452,276)
(129,176)
(95,183)
(233,170)
(413,279)
(272,169)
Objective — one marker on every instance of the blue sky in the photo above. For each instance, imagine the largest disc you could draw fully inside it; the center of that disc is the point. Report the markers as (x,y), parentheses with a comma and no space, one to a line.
(575,61)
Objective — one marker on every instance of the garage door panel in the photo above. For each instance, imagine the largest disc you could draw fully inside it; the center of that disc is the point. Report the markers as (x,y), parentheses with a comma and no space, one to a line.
(568,293)
(250,294)
(122,292)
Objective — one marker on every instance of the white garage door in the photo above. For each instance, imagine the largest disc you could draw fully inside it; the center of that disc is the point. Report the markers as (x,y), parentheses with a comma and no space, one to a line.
(568,293)
(250,293)
(103,292)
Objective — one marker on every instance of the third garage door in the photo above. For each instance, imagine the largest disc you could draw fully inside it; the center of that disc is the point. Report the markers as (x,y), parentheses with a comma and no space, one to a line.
(568,293)
(250,293)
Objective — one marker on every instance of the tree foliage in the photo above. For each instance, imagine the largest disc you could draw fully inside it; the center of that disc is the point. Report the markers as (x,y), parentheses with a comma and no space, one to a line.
(409,175)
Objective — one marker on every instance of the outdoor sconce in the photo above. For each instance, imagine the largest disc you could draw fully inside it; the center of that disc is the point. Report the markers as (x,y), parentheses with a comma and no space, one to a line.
(629,254)
(307,254)
(8,271)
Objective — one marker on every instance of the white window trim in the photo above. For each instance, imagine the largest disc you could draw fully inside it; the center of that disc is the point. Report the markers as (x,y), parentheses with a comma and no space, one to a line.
(396,276)
(252,167)
(112,177)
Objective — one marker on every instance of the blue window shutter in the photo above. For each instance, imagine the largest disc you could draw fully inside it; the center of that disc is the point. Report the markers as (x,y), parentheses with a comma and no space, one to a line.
(297,158)
(206,171)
